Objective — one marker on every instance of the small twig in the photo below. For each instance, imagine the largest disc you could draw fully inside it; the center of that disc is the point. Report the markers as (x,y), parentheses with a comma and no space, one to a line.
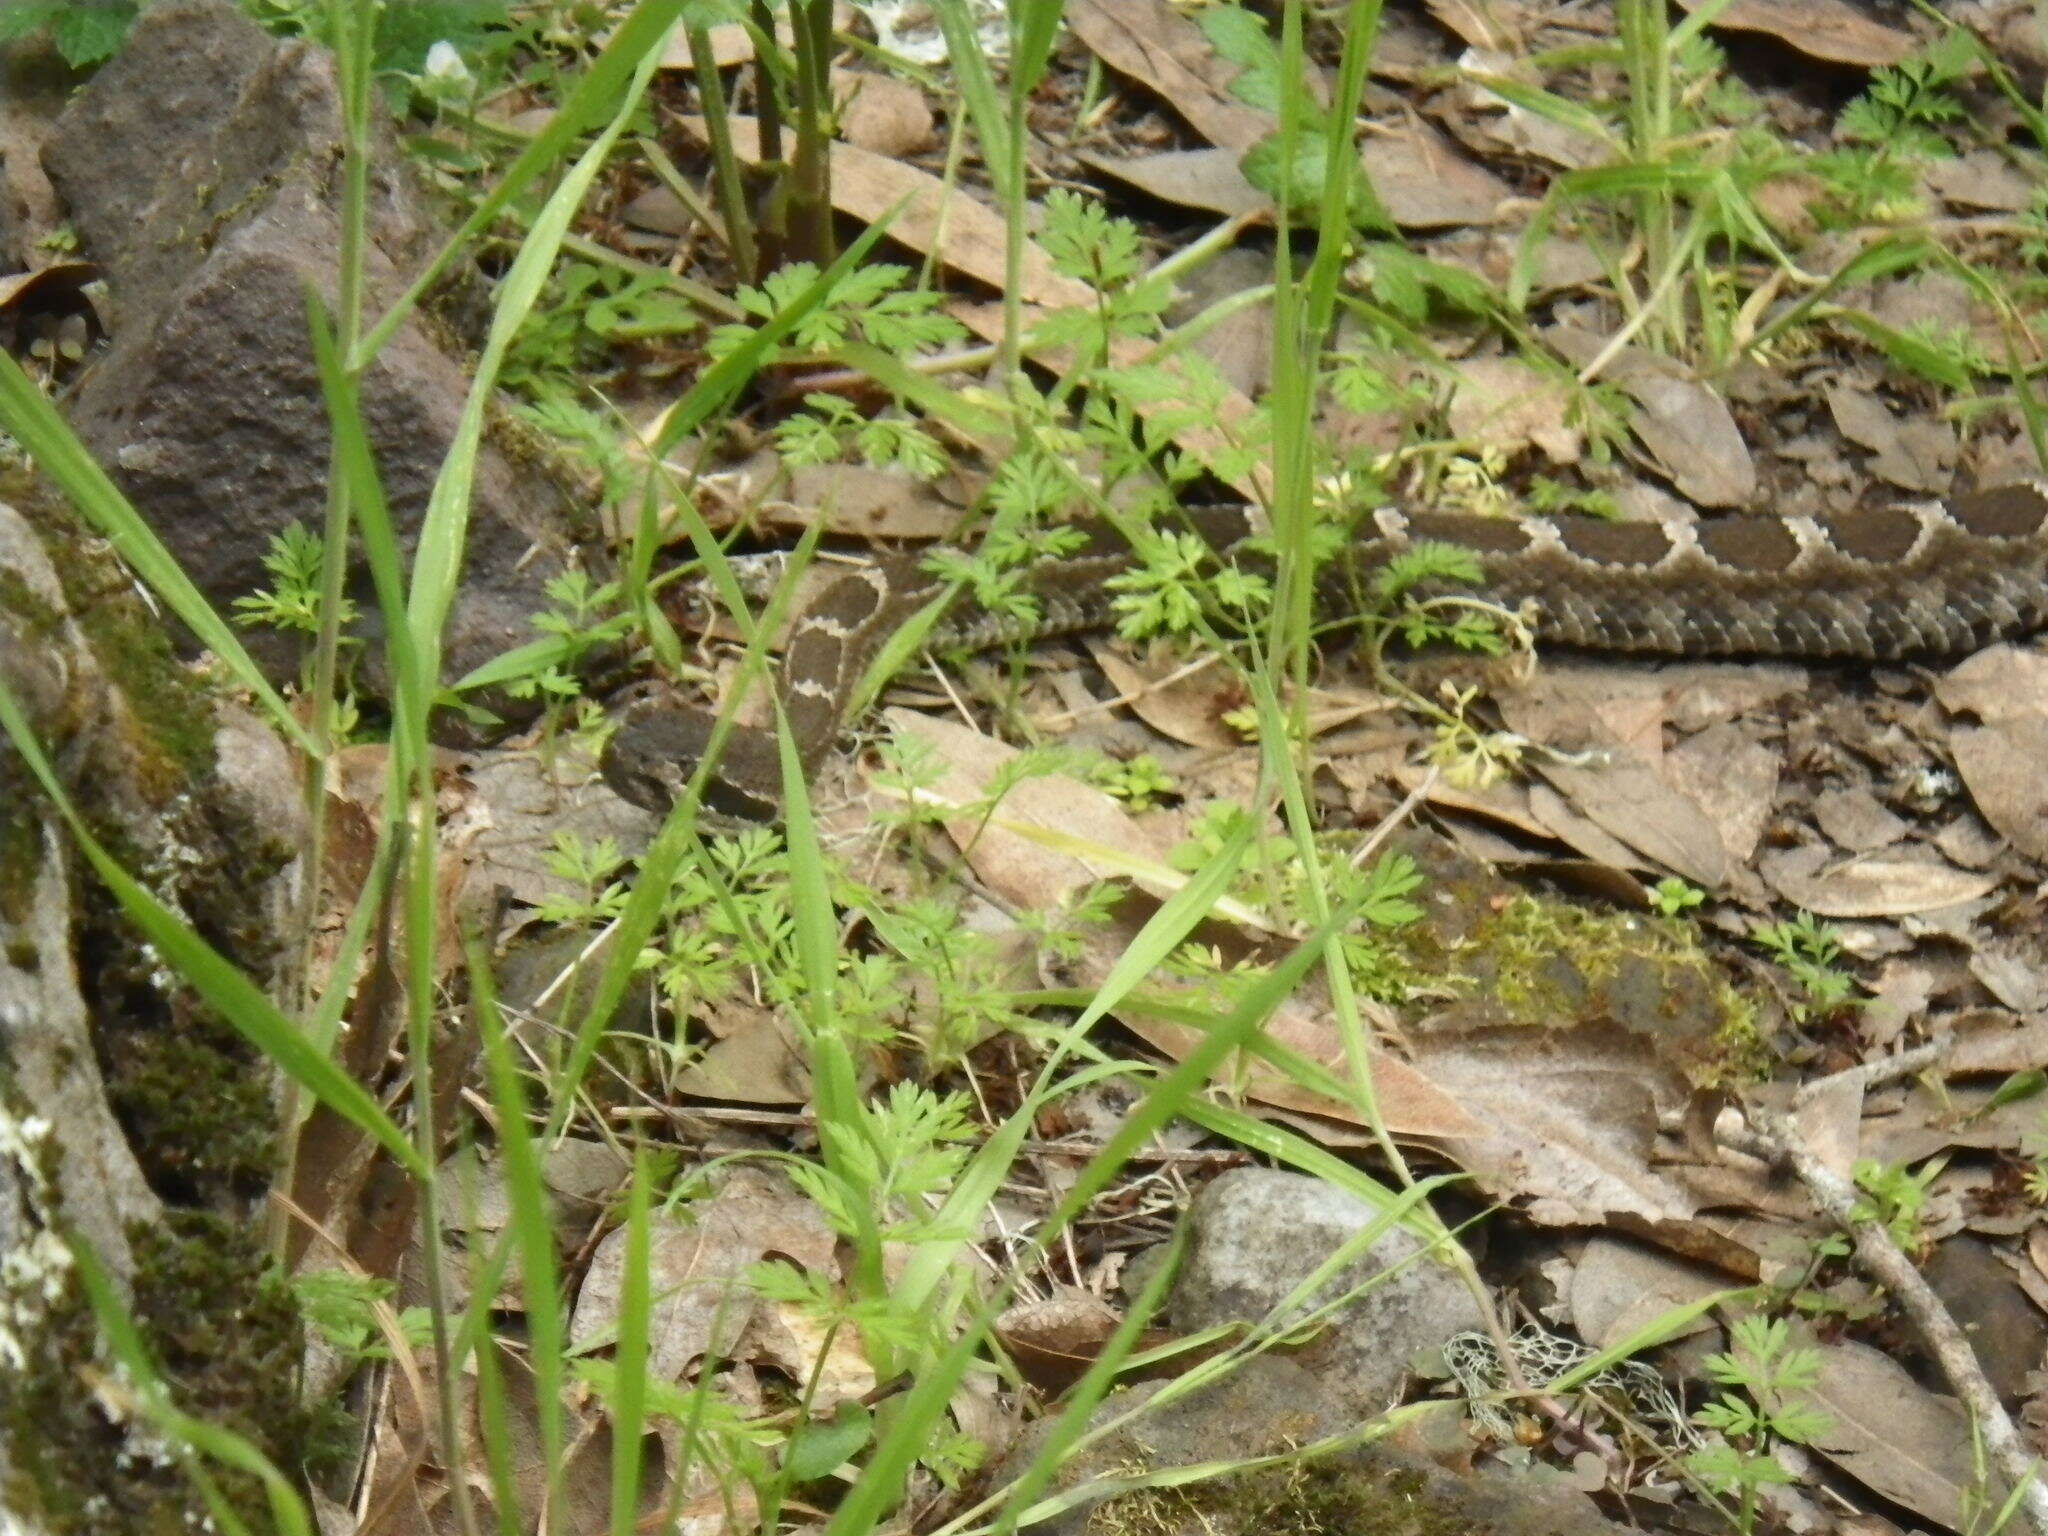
(1770,1137)
(1888,1069)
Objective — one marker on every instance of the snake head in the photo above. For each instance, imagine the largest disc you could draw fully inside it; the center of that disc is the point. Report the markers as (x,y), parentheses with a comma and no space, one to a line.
(660,746)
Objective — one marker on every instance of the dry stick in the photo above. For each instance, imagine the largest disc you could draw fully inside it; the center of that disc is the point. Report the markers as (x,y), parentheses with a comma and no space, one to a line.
(1770,1137)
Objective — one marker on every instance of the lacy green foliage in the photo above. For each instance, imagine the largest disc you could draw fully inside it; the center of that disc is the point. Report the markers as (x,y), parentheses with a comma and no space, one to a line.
(1895,1197)
(588,311)
(870,303)
(295,561)
(1770,1378)
(1293,175)
(1903,120)
(1811,952)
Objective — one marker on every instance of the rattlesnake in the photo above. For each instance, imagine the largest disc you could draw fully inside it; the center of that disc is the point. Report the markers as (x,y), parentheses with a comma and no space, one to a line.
(1933,578)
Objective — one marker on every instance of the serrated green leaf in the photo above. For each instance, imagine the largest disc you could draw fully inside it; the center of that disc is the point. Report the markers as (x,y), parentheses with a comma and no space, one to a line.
(90,34)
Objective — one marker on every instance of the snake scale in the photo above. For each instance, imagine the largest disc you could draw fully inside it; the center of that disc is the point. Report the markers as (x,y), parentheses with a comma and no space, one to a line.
(1933,578)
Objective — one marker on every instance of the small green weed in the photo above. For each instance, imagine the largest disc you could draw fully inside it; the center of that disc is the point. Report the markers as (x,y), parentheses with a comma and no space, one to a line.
(84,32)
(1895,1197)
(1901,121)
(1809,950)
(1140,782)
(1671,896)
(1768,1376)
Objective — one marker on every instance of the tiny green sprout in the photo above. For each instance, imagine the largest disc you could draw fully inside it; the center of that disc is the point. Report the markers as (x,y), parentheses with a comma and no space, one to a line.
(1809,949)
(1672,896)
(2034,1149)
(1769,1377)
(1895,1197)
(296,562)
(1141,783)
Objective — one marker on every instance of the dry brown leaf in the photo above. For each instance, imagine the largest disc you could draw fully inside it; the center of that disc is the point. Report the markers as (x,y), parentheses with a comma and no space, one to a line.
(1891,1434)
(1733,778)
(696,1263)
(1192,178)
(1425,182)
(882,114)
(1563,707)
(1187,705)
(2000,683)
(1869,885)
(806,1348)
(2000,760)
(1618,1286)
(1980,179)
(1057,1337)
(1097,838)
(936,219)
(1854,819)
(1504,404)
(1823,29)
(856,500)
(754,1057)
(1689,430)
(1476,22)
(1571,1117)
(1163,50)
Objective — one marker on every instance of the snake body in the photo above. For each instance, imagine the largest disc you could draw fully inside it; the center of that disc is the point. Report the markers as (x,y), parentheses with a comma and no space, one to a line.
(1934,578)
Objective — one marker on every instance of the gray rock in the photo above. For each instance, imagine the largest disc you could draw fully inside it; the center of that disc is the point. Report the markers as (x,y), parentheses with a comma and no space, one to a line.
(202,170)
(1255,1234)
(1270,1407)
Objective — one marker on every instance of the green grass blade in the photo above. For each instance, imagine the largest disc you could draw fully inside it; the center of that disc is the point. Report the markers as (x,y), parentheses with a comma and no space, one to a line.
(231,994)
(125,1345)
(532,1228)
(437,562)
(628,1403)
(34,422)
(633,47)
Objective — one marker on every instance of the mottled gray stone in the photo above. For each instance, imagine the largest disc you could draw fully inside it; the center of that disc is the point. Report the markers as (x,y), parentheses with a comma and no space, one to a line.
(1256,1234)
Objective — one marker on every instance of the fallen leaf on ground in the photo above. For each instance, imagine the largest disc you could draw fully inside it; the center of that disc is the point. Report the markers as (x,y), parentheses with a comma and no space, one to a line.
(1891,1434)
(1425,181)
(1164,51)
(936,219)
(1823,29)
(1192,178)
(697,1261)
(1869,885)
(1504,404)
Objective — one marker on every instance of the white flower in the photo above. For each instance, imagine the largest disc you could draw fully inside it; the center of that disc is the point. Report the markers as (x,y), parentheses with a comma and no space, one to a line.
(444,77)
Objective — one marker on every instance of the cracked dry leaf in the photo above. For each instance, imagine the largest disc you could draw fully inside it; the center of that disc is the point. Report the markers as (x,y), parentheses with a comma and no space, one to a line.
(1162,50)
(1178,699)
(1055,1338)
(1571,1120)
(697,1261)
(1869,885)
(1192,178)
(1425,181)
(2000,758)
(1410,1104)
(1048,837)
(1893,1435)
(1573,709)
(1823,29)
(1619,1285)
(965,234)
(1502,403)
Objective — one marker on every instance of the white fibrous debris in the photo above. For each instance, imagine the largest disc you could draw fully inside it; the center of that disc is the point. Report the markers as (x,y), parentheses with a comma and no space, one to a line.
(909,29)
